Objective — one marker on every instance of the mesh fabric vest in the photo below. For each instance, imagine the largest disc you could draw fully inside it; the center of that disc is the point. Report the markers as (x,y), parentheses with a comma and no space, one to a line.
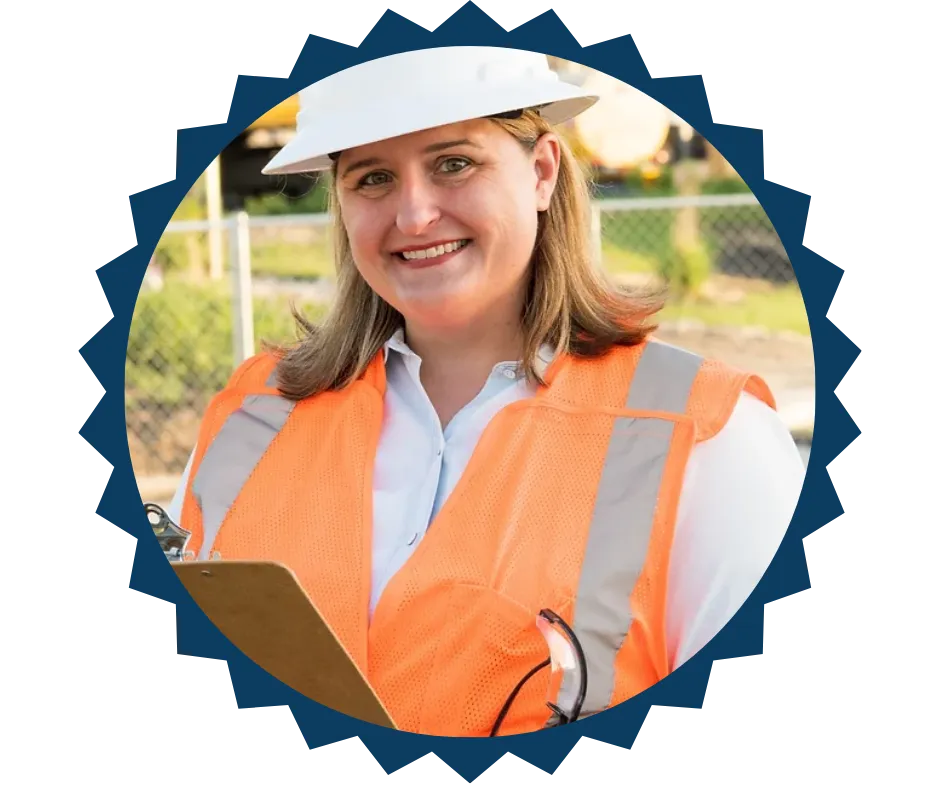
(568,503)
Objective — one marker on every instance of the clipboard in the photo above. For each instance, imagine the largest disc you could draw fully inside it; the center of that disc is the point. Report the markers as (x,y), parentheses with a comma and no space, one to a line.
(264,611)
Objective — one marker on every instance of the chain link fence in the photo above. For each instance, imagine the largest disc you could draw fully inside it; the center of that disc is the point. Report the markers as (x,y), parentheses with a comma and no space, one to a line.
(214,290)
(180,347)
(731,233)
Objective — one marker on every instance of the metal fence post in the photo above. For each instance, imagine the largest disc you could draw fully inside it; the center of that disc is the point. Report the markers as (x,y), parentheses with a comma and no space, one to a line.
(243,327)
(596,233)
(214,214)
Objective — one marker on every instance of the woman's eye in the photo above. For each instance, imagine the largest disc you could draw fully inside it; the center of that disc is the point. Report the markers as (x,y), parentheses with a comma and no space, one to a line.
(454,165)
(369,180)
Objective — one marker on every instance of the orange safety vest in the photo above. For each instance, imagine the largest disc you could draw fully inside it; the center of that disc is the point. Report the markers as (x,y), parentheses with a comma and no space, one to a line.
(568,503)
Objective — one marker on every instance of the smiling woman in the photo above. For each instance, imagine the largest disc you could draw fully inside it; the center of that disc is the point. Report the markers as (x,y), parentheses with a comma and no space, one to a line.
(481,462)
(464,228)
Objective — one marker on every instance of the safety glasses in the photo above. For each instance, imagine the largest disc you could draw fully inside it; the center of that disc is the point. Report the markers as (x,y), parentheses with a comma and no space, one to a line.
(565,655)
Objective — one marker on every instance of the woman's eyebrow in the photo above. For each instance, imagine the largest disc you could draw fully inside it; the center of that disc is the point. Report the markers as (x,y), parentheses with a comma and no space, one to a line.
(439,146)
(436,147)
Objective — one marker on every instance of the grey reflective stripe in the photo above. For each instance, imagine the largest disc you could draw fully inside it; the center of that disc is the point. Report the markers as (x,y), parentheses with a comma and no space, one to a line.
(663,378)
(622,522)
(232,456)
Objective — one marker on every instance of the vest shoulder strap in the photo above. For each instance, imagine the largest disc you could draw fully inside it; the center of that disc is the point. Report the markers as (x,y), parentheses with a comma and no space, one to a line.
(674,380)
(254,374)
(716,392)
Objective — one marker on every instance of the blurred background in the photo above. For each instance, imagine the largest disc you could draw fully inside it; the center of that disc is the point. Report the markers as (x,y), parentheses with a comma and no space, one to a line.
(242,246)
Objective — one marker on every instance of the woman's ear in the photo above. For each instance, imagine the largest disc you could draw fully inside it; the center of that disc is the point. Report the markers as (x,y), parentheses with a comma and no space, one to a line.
(546,159)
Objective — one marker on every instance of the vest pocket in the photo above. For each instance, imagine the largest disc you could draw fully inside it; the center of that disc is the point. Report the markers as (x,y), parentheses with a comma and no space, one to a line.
(488,643)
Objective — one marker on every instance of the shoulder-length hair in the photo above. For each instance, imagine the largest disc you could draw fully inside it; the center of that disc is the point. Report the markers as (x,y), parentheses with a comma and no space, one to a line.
(571,304)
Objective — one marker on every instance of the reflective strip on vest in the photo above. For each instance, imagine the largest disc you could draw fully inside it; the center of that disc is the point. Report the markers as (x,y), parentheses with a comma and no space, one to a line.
(623,519)
(232,456)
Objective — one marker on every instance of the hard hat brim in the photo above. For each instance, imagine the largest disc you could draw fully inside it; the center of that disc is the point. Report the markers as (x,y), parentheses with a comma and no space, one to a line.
(398,115)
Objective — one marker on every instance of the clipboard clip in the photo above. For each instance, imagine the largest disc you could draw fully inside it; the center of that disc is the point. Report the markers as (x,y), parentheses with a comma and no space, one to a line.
(171,537)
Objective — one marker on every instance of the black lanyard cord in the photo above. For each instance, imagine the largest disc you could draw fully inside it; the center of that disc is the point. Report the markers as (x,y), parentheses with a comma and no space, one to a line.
(512,696)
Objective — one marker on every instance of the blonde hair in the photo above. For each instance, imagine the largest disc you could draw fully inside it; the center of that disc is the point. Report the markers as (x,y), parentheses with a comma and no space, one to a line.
(571,305)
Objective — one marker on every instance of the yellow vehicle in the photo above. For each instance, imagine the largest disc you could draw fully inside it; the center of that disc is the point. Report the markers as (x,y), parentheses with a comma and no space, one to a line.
(281,116)
(243,159)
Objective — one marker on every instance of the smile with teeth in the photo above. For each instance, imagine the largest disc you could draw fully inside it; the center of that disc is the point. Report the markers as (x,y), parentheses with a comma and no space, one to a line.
(434,251)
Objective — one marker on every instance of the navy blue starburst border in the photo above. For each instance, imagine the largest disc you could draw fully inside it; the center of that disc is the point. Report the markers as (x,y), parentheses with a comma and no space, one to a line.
(121,279)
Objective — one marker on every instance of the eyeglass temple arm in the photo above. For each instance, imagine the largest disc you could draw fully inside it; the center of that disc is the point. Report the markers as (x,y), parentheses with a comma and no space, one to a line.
(553,618)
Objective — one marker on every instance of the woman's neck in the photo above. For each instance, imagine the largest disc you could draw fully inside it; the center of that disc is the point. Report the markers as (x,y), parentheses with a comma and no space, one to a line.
(456,364)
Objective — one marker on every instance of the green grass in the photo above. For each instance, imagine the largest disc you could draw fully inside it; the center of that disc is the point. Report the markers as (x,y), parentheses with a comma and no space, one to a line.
(292,261)
(777,309)
(619,260)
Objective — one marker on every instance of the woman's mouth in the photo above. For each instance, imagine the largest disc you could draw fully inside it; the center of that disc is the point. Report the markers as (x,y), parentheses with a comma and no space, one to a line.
(432,255)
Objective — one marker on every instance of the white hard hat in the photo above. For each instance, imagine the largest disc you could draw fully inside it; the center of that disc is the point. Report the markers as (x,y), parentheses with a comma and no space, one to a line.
(418,90)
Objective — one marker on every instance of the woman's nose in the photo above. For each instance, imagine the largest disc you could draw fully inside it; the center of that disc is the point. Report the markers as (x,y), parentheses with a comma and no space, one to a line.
(418,209)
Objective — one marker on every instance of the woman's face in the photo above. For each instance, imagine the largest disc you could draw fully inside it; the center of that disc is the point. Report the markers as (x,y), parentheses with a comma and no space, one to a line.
(442,223)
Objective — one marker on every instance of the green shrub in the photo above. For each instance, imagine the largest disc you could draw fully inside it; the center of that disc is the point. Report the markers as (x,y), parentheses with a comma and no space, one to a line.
(180,346)
(686,269)
(278,204)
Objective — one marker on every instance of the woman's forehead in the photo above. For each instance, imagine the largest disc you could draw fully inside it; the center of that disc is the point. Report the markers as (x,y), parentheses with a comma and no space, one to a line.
(480,132)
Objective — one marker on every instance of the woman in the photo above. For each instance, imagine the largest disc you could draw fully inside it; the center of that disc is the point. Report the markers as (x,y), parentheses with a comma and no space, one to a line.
(482,427)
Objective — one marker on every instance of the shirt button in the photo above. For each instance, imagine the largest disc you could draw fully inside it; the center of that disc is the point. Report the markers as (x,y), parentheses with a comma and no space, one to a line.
(509,373)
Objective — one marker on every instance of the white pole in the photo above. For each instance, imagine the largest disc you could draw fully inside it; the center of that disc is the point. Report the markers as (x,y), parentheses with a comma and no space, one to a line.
(243,329)
(596,234)
(214,215)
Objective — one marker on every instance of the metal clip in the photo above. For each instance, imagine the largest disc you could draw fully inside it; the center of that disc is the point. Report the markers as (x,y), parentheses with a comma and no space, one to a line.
(171,537)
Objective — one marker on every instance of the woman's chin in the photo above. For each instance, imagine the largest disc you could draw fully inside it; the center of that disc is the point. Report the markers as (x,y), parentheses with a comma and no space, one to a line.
(440,315)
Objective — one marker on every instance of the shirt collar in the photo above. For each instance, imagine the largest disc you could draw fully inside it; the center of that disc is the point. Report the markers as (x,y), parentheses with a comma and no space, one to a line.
(397,343)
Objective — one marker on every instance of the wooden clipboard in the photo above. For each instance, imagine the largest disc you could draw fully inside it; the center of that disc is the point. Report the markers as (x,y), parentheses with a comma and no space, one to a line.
(261,607)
